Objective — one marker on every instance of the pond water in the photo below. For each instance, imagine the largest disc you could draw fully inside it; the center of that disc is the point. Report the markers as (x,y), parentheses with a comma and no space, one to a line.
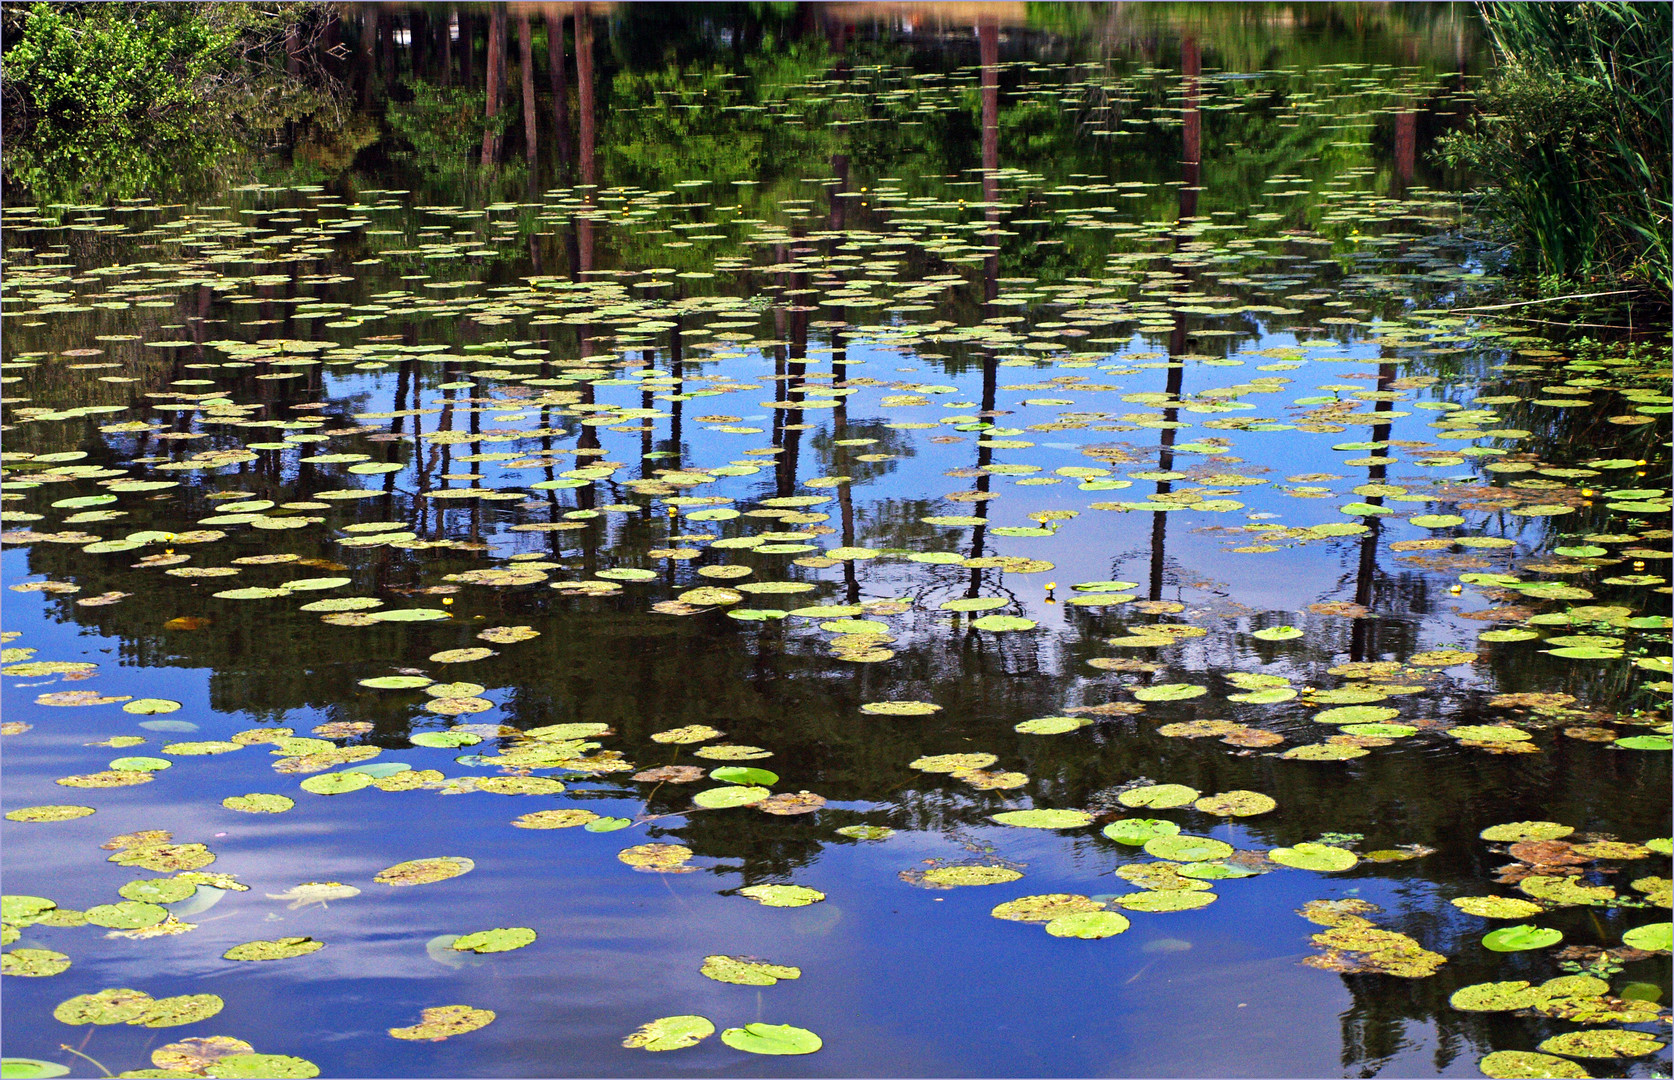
(1066,455)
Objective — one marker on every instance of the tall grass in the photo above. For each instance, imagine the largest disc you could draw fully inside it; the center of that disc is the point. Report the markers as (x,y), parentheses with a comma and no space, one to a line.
(1573,143)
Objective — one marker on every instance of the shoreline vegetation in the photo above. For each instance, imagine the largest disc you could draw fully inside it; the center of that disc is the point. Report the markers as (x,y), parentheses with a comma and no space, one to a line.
(124,100)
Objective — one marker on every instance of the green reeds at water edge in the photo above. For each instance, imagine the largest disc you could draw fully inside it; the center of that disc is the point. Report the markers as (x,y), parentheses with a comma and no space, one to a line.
(1572,145)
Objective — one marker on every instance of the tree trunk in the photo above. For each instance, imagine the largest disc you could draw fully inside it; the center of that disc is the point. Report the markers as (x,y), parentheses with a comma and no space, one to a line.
(560,93)
(526,57)
(584,77)
(496,50)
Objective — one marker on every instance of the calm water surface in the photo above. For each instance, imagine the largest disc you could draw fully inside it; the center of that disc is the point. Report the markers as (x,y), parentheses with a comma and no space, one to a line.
(1106,366)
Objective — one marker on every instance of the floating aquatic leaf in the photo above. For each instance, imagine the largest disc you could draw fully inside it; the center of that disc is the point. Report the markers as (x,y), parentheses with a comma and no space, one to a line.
(1136,831)
(1322,858)
(1494,997)
(119,1006)
(1045,908)
(445,1021)
(1183,848)
(1159,900)
(670,1033)
(1044,819)
(31,1068)
(1528,1065)
(1236,804)
(315,892)
(336,783)
(778,1039)
(49,813)
(780,895)
(866,832)
(1051,725)
(278,949)
(745,971)
(503,939)
(1088,925)
(1657,937)
(719,798)
(33,963)
(1158,796)
(157,890)
(1496,907)
(657,858)
(424,871)
(151,706)
(1564,890)
(128,915)
(1526,830)
(257,803)
(178,1011)
(1520,938)
(1603,1044)
(900,708)
(1169,692)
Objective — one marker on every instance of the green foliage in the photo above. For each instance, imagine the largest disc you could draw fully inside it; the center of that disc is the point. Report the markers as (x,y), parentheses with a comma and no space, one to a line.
(125,98)
(1573,139)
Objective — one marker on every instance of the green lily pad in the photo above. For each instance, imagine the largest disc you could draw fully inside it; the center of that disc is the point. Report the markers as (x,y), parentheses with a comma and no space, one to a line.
(1159,900)
(1322,858)
(1136,831)
(1044,819)
(1044,908)
(1357,714)
(140,764)
(49,813)
(278,949)
(128,915)
(1494,997)
(119,1006)
(1603,1044)
(1521,938)
(998,624)
(151,706)
(1051,725)
(1236,804)
(443,1022)
(1158,796)
(1169,692)
(866,832)
(257,803)
(741,774)
(1518,831)
(1184,848)
(336,783)
(502,939)
(157,890)
(771,1039)
(782,895)
(31,1068)
(664,859)
(179,1011)
(1496,907)
(669,1033)
(396,682)
(1528,1065)
(262,1067)
(970,875)
(1088,924)
(19,908)
(1656,937)
(723,797)
(1277,633)
(33,963)
(424,871)
(745,971)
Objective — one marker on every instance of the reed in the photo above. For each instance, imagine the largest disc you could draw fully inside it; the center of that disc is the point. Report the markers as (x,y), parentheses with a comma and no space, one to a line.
(1573,141)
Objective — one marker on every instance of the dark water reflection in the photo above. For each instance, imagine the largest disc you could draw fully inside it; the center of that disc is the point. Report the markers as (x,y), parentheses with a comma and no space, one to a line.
(1007,231)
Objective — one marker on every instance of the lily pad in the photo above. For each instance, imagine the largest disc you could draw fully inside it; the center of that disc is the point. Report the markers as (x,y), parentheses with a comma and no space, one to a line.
(424,871)
(1044,819)
(670,1033)
(657,858)
(49,813)
(1236,804)
(502,939)
(723,797)
(1603,1044)
(745,971)
(1184,848)
(1521,938)
(443,1022)
(1322,858)
(1170,692)
(1496,907)
(262,1067)
(277,949)
(1136,831)
(257,803)
(1158,796)
(1528,1065)
(1088,924)
(1159,900)
(1516,831)
(1656,937)
(780,1039)
(782,895)
(33,963)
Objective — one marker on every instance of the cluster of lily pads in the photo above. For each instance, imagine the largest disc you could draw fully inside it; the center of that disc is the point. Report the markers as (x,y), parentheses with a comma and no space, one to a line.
(499,444)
